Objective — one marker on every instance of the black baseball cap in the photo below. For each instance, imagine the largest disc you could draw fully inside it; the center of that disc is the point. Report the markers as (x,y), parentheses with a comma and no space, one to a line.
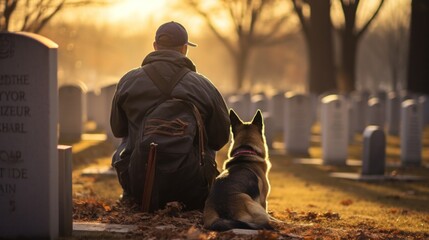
(172,34)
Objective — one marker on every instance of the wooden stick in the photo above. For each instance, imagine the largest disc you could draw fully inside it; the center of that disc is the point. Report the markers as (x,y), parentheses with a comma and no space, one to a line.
(149,178)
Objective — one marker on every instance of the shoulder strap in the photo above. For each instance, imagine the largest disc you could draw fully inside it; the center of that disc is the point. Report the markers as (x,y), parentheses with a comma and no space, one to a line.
(162,84)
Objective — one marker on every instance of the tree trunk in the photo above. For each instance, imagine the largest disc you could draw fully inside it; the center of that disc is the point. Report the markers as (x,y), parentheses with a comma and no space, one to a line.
(241,60)
(240,70)
(418,61)
(320,45)
(347,72)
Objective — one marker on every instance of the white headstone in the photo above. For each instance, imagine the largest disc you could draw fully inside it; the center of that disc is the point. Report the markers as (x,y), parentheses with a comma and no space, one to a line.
(241,105)
(71,101)
(297,120)
(107,94)
(359,103)
(258,101)
(276,109)
(393,109)
(28,136)
(95,108)
(65,190)
(269,130)
(334,120)
(352,121)
(375,112)
(411,133)
(424,106)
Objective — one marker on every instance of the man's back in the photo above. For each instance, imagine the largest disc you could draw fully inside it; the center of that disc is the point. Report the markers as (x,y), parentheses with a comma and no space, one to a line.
(136,94)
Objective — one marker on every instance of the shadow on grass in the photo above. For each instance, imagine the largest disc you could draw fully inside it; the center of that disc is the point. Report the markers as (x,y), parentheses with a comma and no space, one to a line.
(84,156)
(408,195)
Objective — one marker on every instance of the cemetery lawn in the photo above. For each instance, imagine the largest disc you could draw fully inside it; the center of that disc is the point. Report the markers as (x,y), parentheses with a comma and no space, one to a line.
(309,203)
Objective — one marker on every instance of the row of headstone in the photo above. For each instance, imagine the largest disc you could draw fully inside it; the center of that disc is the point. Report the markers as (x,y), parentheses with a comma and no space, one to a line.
(293,125)
(374,159)
(291,114)
(78,106)
(35,174)
(335,129)
(384,110)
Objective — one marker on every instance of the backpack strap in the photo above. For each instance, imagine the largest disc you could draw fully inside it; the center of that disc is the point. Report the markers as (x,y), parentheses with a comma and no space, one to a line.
(162,84)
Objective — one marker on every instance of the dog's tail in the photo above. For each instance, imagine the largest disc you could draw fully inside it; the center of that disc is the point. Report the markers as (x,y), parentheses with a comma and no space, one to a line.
(222,224)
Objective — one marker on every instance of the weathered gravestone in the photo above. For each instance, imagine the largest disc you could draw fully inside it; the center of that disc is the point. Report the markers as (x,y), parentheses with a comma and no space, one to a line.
(28,136)
(411,133)
(71,111)
(297,120)
(107,94)
(334,120)
(374,151)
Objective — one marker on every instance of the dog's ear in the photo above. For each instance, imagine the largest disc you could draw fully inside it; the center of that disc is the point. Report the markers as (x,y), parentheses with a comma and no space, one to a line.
(258,120)
(233,117)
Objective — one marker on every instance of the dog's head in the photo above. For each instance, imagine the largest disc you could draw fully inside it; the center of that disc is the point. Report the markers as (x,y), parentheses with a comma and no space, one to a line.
(248,136)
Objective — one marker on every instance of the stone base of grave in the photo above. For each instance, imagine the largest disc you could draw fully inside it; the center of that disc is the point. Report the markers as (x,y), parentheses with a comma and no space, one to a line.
(80,228)
(97,171)
(85,227)
(369,178)
(399,165)
(319,161)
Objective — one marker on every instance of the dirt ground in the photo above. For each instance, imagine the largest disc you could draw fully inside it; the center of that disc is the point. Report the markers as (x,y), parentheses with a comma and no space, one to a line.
(308,202)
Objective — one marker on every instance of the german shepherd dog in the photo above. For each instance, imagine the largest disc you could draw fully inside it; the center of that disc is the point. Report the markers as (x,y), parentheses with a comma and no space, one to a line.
(238,197)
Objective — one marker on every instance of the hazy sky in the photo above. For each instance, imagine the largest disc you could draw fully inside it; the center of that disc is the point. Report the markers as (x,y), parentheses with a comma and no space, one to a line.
(135,14)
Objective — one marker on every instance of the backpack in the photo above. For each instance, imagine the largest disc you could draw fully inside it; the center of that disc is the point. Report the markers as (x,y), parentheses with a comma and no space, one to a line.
(172,134)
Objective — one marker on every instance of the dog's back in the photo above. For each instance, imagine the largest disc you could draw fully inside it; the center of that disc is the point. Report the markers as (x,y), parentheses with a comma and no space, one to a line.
(238,196)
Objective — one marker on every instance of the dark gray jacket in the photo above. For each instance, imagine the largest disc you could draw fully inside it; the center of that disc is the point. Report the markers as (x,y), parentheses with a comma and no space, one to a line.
(136,93)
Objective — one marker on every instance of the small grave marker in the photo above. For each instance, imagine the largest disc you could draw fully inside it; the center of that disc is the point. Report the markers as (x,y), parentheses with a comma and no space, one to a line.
(71,101)
(374,151)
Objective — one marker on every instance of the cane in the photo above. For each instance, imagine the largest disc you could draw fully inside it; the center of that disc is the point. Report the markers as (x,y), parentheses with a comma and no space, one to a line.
(149,178)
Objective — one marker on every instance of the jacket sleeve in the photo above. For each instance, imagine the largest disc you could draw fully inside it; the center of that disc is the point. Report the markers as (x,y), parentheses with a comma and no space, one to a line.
(118,118)
(218,123)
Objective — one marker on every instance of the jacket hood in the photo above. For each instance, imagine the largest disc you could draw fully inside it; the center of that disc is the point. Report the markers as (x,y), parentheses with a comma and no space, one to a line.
(169,56)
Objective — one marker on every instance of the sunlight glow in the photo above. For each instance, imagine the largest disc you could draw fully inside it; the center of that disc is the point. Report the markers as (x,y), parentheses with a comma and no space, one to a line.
(134,15)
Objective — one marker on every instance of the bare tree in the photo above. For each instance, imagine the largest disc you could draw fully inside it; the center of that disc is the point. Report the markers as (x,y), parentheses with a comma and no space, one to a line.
(254,22)
(349,37)
(33,15)
(317,29)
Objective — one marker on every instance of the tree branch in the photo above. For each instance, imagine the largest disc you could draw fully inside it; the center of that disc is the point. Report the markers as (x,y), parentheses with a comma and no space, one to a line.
(212,27)
(304,24)
(365,27)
